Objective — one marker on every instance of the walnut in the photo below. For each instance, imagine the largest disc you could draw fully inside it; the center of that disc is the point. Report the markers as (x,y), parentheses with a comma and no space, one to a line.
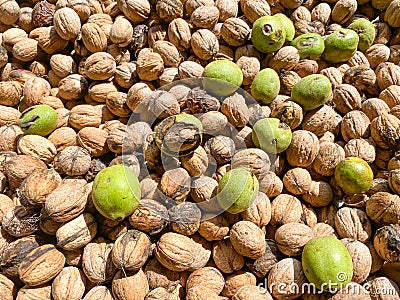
(271,184)
(191,5)
(248,239)
(297,181)
(35,292)
(319,194)
(227,9)
(135,11)
(329,155)
(36,146)
(260,211)
(361,257)
(185,218)
(196,163)
(6,204)
(126,284)
(77,232)
(69,284)
(289,272)
(190,69)
(251,292)
(254,160)
(149,66)
(374,107)
(235,31)
(35,89)
(180,253)
(41,265)
(250,67)
(98,293)
(179,33)
(383,208)
(159,276)
(10,93)
(320,120)
(150,216)
(208,277)
(125,74)
(100,66)
(67,23)
(385,131)
(10,135)
(225,257)
(203,192)
(391,95)
(289,112)
(175,184)
(72,87)
(355,124)
(136,94)
(364,149)
(62,138)
(303,148)
(379,284)
(199,292)
(97,262)
(322,229)
(285,209)
(292,237)
(253,9)
(94,140)
(155,33)
(386,242)
(387,74)
(236,280)
(353,223)
(204,44)
(169,10)
(205,16)
(8,288)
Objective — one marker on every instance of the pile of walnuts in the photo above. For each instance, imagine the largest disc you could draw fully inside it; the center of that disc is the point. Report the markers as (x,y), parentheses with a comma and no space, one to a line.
(95,61)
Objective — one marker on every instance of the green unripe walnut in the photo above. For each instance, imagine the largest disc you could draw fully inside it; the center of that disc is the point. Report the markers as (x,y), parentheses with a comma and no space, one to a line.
(268,34)
(237,190)
(312,91)
(116,192)
(225,77)
(288,26)
(271,135)
(327,263)
(366,33)
(178,135)
(265,86)
(39,119)
(354,175)
(309,45)
(340,45)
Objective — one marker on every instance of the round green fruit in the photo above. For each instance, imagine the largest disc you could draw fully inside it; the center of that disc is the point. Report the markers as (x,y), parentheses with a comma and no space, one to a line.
(39,119)
(179,135)
(116,192)
(288,26)
(354,175)
(366,33)
(312,91)
(340,45)
(309,45)
(327,263)
(268,34)
(265,86)
(237,190)
(222,77)
(271,135)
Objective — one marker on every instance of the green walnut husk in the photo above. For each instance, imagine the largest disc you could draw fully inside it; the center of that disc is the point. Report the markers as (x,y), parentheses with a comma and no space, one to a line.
(366,33)
(354,175)
(327,263)
(312,91)
(237,190)
(39,119)
(288,26)
(271,135)
(222,77)
(265,86)
(116,192)
(268,34)
(340,45)
(179,135)
(309,45)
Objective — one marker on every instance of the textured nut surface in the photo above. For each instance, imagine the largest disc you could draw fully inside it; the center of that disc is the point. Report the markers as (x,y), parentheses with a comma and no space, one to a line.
(248,239)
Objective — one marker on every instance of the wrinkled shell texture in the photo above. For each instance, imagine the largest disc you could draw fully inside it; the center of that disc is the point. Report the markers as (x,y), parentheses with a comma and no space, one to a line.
(118,73)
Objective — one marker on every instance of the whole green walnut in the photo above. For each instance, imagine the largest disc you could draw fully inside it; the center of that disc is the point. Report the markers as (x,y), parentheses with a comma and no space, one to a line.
(327,263)
(237,190)
(116,192)
(222,77)
(268,34)
(288,26)
(340,45)
(312,91)
(271,135)
(179,135)
(39,119)
(366,33)
(309,45)
(265,86)
(354,175)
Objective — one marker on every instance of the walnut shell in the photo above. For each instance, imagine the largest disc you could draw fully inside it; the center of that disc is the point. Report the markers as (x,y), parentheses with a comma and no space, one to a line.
(62,138)
(100,66)
(292,237)
(69,284)
(36,146)
(131,283)
(254,9)
(285,209)
(67,23)
(159,276)
(386,242)
(8,290)
(201,293)
(18,221)
(179,33)
(94,140)
(385,131)
(98,293)
(208,277)
(353,223)
(248,239)
(72,87)
(329,155)
(10,93)
(251,292)
(303,148)
(149,65)
(41,265)
(361,257)
(179,253)
(76,233)
(204,44)
(384,208)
